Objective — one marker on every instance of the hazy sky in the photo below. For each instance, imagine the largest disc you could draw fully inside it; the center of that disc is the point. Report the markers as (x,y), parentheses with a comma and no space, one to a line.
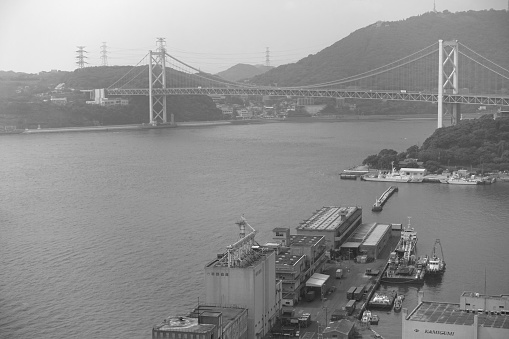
(213,35)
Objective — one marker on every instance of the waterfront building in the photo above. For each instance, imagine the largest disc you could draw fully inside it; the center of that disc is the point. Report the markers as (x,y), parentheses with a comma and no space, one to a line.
(335,223)
(205,322)
(368,239)
(475,317)
(298,258)
(245,275)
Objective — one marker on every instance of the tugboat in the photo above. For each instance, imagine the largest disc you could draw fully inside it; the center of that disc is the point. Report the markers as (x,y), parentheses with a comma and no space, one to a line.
(436,264)
(377,206)
(398,303)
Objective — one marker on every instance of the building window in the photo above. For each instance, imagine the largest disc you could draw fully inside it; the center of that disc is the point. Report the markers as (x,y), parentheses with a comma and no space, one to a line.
(226,274)
(222,274)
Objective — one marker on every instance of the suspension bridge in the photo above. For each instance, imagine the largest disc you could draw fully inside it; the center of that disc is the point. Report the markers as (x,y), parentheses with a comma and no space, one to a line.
(447,73)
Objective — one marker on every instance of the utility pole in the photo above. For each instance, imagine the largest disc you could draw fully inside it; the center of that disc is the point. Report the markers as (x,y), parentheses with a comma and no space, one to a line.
(104,56)
(267,57)
(81,57)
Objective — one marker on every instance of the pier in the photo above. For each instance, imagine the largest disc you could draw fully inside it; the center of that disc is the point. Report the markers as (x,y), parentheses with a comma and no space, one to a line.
(377,206)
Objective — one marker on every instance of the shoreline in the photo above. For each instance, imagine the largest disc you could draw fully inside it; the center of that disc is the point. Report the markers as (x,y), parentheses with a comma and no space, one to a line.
(113,128)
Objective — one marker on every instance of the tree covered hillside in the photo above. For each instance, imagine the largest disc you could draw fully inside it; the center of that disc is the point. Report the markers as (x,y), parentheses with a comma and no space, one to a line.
(486,32)
(481,143)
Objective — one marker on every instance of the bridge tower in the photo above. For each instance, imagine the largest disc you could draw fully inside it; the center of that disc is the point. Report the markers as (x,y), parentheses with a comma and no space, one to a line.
(157,85)
(447,78)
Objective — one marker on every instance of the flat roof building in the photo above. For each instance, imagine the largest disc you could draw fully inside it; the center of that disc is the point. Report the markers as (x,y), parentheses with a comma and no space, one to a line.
(205,322)
(335,223)
(245,275)
(299,257)
(443,319)
(369,239)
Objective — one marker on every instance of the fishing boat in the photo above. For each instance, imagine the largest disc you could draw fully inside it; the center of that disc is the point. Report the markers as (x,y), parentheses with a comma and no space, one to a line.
(436,263)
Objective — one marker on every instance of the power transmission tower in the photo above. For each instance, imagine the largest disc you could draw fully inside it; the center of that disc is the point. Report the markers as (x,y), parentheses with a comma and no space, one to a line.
(81,57)
(104,56)
(267,57)
(161,44)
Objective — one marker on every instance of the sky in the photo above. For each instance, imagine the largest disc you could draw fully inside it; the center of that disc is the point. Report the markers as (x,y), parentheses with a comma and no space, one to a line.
(211,35)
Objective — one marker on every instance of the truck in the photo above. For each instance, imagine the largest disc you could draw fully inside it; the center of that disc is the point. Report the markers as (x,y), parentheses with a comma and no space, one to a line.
(338,315)
(351,293)
(350,307)
(339,273)
(359,293)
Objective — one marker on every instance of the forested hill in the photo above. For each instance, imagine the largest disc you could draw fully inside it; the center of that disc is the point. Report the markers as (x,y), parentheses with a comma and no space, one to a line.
(486,32)
(482,143)
(243,71)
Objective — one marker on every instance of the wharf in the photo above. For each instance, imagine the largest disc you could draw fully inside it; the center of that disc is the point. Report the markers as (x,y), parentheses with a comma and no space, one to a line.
(380,202)
(354,274)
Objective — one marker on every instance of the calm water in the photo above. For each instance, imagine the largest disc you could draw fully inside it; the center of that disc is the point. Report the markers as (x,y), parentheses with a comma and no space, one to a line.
(104,234)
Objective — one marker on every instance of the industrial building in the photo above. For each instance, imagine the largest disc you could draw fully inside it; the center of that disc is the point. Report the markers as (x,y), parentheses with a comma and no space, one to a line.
(342,329)
(335,223)
(475,317)
(368,239)
(205,322)
(298,258)
(246,276)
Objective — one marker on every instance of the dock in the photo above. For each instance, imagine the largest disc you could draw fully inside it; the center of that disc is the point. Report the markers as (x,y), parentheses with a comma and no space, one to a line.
(377,206)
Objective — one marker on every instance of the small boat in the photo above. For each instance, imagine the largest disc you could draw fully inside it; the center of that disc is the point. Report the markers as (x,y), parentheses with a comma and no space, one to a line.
(461,180)
(377,206)
(398,303)
(358,170)
(366,317)
(374,319)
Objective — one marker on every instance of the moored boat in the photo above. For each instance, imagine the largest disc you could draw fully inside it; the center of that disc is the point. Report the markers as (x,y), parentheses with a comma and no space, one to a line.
(462,181)
(374,319)
(403,266)
(382,300)
(398,304)
(392,176)
(435,264)
(358,170)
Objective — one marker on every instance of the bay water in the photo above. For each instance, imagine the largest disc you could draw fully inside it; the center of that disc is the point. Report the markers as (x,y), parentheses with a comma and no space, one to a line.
(103,234)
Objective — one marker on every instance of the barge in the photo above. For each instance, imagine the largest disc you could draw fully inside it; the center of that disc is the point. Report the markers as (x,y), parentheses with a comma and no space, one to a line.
(382,300)
(380,202)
